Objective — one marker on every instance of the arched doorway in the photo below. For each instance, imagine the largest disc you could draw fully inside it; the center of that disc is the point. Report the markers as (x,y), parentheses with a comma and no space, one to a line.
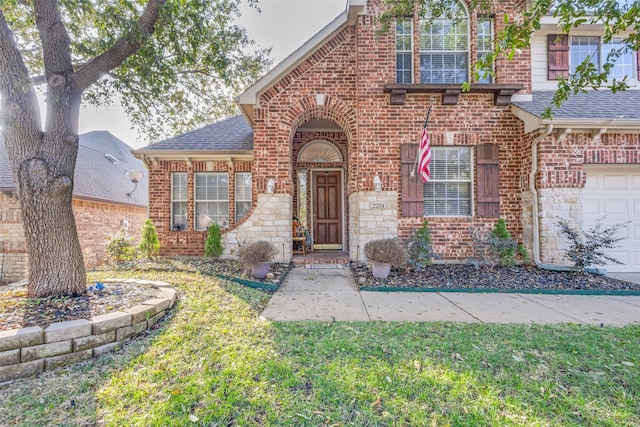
(320,195)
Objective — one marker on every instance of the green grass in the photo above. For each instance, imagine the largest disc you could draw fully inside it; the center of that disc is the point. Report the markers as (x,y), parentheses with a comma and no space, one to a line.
(213,362)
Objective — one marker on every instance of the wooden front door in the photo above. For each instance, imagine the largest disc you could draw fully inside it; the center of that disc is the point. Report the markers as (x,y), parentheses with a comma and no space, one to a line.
(327,209)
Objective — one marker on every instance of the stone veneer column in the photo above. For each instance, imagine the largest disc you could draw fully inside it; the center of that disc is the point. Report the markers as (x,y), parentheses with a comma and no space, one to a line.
(270,220)
(556,204)
(372,215)
(527,221)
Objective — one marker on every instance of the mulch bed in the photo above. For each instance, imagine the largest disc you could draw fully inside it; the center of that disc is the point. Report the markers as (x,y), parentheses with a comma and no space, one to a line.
(18,311)
(468,276)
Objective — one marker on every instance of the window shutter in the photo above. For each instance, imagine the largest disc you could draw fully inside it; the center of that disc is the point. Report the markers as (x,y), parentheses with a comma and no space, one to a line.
(488,180)
(558,61)
(412,203)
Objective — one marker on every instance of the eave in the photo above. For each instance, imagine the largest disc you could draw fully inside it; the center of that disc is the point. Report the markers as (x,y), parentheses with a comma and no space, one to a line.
(152,156)
(564,126)
(249,100)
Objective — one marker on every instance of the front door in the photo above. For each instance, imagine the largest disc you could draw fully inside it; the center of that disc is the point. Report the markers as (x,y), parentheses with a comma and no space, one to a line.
(327,209)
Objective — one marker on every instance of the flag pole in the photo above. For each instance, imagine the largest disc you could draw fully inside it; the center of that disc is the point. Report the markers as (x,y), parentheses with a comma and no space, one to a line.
(426,121)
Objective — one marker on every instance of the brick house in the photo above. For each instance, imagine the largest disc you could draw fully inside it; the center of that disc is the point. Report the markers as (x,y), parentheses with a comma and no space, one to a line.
(104,201)
(345,111)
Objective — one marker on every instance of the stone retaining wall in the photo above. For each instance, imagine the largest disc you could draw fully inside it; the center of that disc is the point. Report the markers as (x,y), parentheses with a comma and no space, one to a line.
(32,350)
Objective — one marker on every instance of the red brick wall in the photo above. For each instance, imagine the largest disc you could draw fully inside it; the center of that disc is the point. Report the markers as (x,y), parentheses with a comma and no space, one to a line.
(561,162)
(94,221)
(188,242)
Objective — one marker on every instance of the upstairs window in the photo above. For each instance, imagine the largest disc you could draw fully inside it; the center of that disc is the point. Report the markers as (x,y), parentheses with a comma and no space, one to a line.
(211,199)
(485,45)
(444,48)
(404,51)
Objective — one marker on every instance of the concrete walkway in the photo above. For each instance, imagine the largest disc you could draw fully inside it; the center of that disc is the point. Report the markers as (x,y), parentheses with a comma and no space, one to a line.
(330,293)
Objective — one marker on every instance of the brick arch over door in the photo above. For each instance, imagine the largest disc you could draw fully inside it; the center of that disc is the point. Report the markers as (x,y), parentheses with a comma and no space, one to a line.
(334,109)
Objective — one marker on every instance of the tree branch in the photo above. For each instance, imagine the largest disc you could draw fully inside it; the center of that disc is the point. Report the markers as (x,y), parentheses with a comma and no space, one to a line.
(124,47)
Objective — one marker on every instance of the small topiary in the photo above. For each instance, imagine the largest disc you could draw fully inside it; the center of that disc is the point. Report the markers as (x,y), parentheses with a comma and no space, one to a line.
(213,244)
(149,245)
(501,245)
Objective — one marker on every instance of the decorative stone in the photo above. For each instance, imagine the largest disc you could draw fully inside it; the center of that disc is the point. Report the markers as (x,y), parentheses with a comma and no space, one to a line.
(21,370)
(63,331)
(110,321)
(23,337)
(45,350)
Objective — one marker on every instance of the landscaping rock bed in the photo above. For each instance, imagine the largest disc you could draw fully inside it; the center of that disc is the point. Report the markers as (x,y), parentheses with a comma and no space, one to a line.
(468,276)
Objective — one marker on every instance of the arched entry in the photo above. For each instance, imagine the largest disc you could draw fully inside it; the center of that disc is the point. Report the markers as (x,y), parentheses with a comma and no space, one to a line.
(320,192)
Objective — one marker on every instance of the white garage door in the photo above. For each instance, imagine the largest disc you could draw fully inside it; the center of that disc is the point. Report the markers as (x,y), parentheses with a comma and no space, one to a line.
(614,191)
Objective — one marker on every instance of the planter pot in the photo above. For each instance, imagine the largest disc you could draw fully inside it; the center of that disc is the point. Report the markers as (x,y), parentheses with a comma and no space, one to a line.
(380,270)
(259,270)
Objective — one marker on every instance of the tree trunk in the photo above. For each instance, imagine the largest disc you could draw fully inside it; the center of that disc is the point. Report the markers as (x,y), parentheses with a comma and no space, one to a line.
(44,187)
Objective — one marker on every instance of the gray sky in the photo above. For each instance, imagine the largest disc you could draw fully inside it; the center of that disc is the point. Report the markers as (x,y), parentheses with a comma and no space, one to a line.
(283,25)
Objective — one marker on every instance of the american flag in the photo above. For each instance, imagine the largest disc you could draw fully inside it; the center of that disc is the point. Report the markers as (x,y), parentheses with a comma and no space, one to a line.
(425,156)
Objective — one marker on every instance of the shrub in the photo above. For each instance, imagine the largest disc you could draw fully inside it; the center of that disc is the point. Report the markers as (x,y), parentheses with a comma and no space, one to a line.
(495,247)
(256,252)
(587,247)
(386,251)
(118,247)
(149,245)
(213,245)
(501,246)
(420,247)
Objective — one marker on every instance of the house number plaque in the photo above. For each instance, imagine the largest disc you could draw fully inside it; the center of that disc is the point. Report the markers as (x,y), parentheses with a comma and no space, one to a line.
(377,205)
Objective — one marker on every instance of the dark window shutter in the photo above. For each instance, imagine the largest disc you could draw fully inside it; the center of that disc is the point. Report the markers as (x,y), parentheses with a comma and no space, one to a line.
(558,61)
(638,63)
(488,180)
(412,203)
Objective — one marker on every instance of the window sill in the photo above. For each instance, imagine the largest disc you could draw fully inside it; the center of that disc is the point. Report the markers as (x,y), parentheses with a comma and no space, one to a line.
(450,92)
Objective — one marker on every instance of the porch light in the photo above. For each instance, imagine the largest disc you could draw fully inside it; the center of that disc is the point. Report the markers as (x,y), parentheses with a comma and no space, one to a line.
(271,185)
(321,99)
(377,183)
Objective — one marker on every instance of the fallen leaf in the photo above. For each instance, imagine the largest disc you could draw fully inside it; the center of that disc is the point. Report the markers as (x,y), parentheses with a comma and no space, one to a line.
(629,364)
(193,418)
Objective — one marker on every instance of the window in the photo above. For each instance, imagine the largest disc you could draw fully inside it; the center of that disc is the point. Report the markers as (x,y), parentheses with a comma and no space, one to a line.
(211,199)
(485,45)
(179,201)
(591,49)
(404,51)
(444,51)
(448,192)
(243,194)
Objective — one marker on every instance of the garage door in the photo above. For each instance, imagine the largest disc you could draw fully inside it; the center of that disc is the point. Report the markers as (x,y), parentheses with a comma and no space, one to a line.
(614,191)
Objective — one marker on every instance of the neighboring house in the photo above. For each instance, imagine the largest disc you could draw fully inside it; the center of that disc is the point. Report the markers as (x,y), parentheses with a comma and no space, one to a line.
(104,201)
(349,106)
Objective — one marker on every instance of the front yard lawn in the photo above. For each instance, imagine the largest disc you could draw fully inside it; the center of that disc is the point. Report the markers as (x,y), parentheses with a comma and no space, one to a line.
(214,362)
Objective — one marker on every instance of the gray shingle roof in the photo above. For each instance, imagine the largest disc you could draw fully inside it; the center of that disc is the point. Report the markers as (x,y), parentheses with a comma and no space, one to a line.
(596,105)
(97,177)
(231,134)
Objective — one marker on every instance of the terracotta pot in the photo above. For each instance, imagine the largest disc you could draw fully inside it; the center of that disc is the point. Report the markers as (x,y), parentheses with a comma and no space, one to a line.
(259,270)
(380,270)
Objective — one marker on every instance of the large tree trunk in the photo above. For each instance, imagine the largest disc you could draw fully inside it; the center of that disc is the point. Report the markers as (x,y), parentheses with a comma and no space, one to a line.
(55,257)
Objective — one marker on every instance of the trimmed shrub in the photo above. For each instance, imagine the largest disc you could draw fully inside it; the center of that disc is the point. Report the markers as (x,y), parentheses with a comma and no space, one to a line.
(420,249)
(118,247)
(213,244)
(256,252)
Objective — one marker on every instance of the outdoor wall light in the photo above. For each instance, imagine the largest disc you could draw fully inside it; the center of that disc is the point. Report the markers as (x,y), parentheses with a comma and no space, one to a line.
(377,183)
(271,186)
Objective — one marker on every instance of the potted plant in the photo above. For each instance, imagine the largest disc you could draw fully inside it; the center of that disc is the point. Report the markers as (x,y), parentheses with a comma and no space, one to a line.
(256,257)
(383,254)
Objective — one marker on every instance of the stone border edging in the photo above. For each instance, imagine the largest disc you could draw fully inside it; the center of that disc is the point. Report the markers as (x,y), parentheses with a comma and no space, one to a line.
(30,351)
(504,291)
